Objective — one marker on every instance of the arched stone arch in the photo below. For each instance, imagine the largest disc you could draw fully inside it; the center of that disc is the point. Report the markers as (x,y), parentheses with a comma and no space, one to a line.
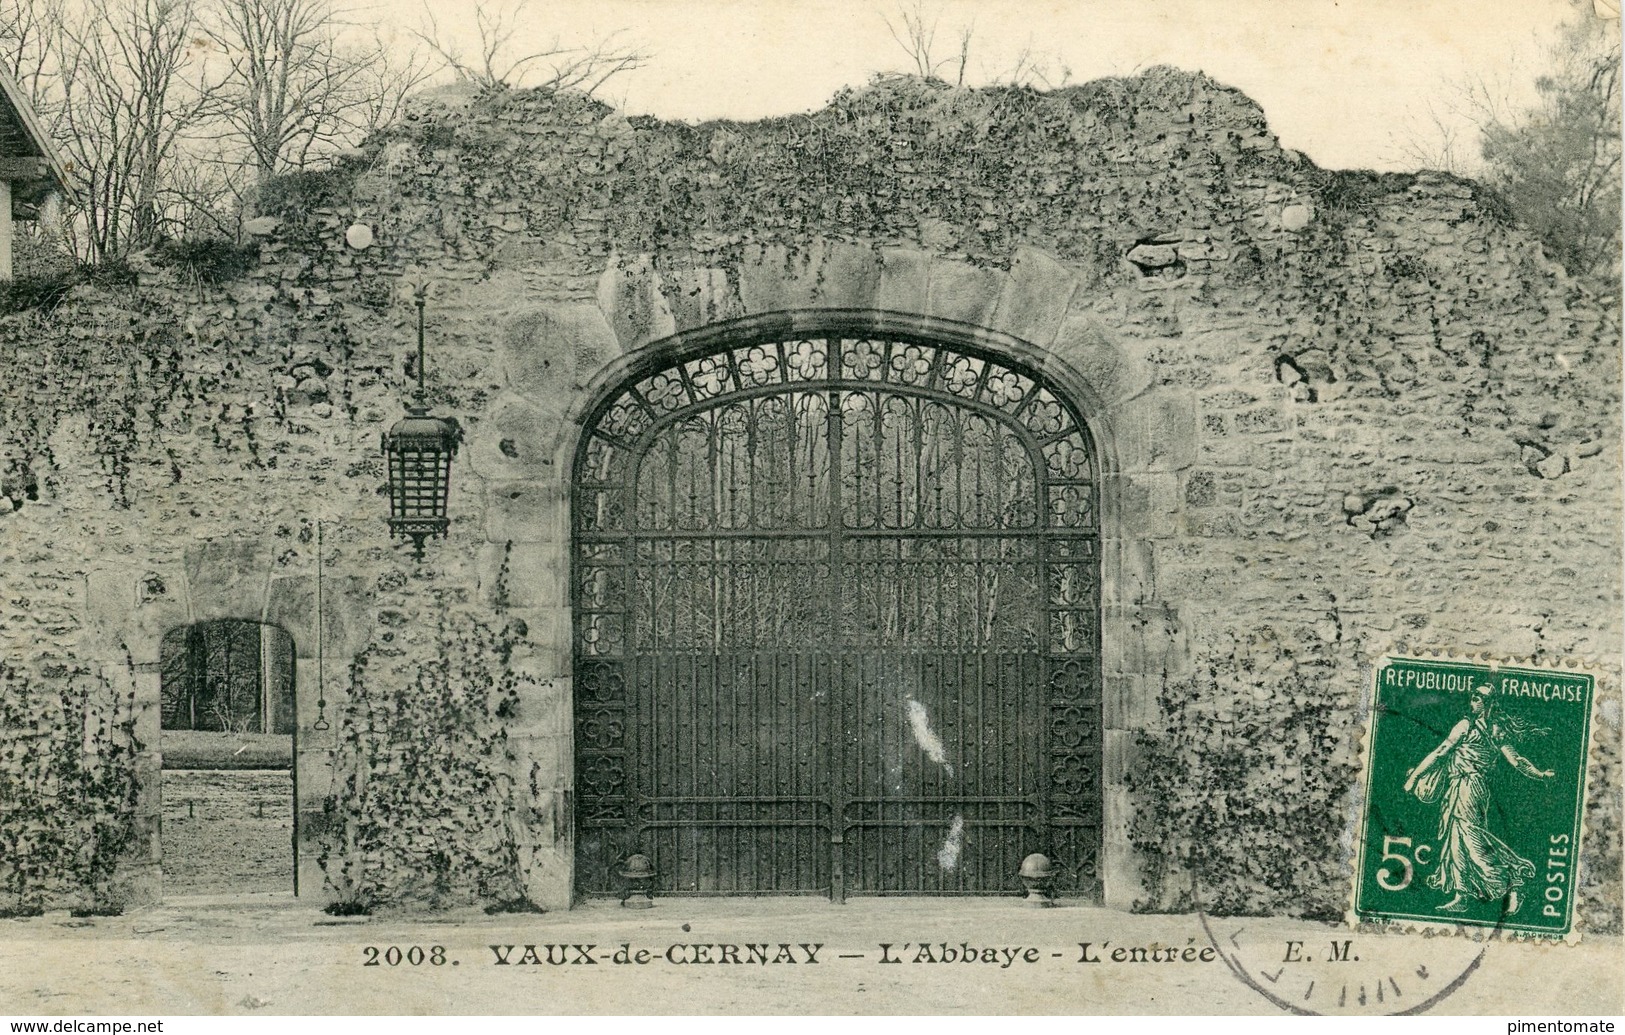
(560,359)
(959,590)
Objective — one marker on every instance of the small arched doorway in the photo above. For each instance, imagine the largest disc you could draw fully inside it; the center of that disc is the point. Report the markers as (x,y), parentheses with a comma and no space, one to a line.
(226,735)
(836,622)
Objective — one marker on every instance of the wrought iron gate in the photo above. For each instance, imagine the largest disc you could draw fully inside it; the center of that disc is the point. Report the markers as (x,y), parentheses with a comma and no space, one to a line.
(836,613)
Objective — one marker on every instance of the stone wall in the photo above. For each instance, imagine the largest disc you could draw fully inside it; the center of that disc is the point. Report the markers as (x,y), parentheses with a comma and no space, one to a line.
(1338,413)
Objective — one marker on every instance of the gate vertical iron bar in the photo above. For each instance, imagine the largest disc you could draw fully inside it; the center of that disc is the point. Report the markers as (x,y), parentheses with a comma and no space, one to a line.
(980,737)
(1045,747)
(775,777)
(938,776)
(835,747)
(736,766)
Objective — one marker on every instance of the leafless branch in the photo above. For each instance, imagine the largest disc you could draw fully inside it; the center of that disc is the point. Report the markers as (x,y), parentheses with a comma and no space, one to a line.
(500,61)
(27,28)
(916,34)
(127,86)
(294,87)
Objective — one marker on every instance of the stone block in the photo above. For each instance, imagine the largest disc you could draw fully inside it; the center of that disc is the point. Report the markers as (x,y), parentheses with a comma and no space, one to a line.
(699,297)
(1148,502)
(532,573)
(312,879)
(522,511)
(147,685)
(227,578)
(630,299)
(315,773)
(139,883)
(518,439)
(768,275)
(1120,864)
(548,631)
(1130,701)
(1111,372)
(133,607)
(960,291)
(544,709)
(849,276)
(1130,575)
(346,617)
(823,274)
(1156,431)
(1155,640)
(310,689)
(147,845)
(290,605)
(1036,295)
(551,864)
(548,759)
(904,279)
(546,350)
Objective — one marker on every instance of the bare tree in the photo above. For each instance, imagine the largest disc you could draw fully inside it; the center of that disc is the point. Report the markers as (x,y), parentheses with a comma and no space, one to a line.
(294,86)
(1035,69)
(206,191)
(963,57)
(385,82)
(915,32)
(128,86)
(1445,133)
(27,31)
(1556,161)
(501,61)
(1438,139)
(917,35)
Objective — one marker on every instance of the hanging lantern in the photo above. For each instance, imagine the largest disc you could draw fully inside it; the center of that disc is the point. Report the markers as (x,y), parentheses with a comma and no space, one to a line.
(418,452)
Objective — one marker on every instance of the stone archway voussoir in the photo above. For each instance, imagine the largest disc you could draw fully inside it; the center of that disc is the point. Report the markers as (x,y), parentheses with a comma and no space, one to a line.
(1037,293)
(630,300)
(822,274)
(547,349)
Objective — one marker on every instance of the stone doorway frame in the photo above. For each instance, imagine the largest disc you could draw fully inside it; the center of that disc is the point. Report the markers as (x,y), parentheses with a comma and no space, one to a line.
(557,359)
(1030,313)
(734,335)
(130,609)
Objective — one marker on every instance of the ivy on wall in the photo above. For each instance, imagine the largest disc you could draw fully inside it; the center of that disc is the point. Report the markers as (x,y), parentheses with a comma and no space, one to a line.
(1604,853)
(1244,789)
(67,789)
(429,792)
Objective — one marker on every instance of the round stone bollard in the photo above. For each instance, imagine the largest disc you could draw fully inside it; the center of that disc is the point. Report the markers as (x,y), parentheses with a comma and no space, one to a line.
(639,874)
(1036,874)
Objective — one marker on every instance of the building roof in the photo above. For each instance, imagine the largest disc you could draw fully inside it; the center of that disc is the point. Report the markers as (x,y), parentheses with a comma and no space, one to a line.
(23,137)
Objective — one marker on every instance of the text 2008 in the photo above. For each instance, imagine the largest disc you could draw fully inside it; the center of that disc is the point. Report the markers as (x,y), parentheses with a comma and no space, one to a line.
(412,956)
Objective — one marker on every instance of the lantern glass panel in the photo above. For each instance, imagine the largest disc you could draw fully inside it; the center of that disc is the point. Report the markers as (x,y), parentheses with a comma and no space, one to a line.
(421,477)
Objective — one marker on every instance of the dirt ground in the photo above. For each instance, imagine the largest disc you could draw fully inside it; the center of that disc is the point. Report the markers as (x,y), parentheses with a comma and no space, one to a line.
(278,955)
(228,832)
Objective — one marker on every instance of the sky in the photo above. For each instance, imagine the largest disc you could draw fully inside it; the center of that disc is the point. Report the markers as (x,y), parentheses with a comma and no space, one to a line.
(1347,82)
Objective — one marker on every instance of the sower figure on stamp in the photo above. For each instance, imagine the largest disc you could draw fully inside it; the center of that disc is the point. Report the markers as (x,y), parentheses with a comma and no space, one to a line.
(1473,861)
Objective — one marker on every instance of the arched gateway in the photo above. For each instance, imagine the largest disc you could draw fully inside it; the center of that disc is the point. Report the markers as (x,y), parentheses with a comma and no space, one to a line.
(836,623)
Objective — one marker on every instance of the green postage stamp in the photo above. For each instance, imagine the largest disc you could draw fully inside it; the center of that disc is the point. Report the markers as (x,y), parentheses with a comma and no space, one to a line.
(1475,789)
